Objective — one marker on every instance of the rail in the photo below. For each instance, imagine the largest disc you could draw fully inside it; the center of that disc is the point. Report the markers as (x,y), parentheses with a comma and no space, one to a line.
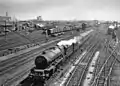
(86,59)
(62,75)
(103,75)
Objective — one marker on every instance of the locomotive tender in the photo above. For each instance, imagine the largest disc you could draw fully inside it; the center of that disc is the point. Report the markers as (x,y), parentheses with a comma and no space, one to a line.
(48,62)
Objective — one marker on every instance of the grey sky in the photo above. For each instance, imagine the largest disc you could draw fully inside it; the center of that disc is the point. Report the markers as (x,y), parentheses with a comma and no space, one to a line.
(62,9)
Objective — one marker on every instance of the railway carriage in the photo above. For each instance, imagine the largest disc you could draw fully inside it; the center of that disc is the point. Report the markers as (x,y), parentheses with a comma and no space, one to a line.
(58,30)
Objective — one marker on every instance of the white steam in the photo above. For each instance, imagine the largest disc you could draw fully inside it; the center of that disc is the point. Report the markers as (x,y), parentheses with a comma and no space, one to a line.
(67,42)
(76,39)
(111,26)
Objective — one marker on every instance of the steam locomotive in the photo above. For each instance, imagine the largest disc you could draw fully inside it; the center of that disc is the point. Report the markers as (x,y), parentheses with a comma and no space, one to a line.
(48,62)
(50,59)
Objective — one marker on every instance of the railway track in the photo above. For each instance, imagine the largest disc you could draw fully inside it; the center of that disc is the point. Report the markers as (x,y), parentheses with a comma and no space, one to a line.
(24,56)
(78,74)
(17,60)
(103,71)
(11,65)
(14,50)
(88,41)
(105,46)
(50,80)
(15,63)
(8,45)
(113,79)
(14,81)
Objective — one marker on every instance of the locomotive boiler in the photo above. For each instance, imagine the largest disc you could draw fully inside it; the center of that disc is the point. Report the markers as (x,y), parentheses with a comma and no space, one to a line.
(48,56)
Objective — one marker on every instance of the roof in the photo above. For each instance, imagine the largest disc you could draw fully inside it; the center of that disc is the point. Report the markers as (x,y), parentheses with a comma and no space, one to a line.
(3,18)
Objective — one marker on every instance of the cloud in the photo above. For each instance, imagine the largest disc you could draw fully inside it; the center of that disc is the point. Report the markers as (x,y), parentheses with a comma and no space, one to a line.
(33,5)
(62,9)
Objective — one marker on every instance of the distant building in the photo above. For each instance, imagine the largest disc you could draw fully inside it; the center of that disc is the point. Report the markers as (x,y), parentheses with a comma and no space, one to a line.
(5,18)
(39,18)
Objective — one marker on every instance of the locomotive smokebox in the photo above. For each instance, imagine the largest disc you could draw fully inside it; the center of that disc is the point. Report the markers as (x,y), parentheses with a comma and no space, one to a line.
(41,62)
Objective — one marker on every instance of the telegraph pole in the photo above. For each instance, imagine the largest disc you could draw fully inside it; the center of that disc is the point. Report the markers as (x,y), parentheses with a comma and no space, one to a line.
(46,34)
(6,27)
(5,31)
